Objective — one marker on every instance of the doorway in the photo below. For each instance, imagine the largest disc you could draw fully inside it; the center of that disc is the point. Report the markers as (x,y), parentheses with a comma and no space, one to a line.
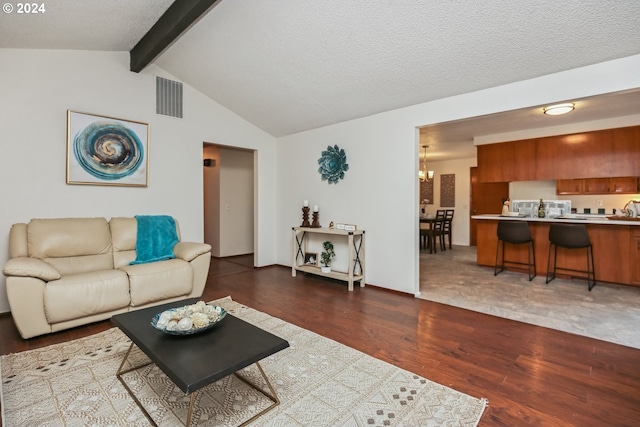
(228,200)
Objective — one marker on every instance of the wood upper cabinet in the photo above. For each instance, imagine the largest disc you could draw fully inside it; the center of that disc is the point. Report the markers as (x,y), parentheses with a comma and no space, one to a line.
(490,160)
(509,161)
(624,157)
(569,186)
(598,154)
(596,186)
(582,155)
(624,185)
(617,185)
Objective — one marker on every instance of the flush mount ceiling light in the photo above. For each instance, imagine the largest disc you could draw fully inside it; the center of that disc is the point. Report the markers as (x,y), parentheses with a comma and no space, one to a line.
(558,109)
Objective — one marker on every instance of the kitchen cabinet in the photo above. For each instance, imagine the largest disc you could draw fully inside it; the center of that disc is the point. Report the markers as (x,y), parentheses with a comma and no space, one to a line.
(587,155)
(574,156)
(624,185)
(569,186)
(635,257)
(624,157)
(616,185)
(490,160)
(510,161)
(596,186)
(611,249)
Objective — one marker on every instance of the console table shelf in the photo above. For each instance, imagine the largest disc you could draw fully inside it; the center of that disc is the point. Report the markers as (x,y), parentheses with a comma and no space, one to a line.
(355,240)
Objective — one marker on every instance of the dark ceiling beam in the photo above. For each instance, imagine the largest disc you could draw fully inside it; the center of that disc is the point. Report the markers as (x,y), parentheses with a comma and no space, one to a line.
(173,23)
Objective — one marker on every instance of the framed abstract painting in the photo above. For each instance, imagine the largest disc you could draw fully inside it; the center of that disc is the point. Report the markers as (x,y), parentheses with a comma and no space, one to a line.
(106,150)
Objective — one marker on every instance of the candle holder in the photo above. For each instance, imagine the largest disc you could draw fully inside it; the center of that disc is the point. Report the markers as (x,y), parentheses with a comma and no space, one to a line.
(305,217)
(316,222)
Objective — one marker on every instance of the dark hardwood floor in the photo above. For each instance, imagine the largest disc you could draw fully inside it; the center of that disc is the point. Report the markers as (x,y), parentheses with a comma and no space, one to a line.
(531,375)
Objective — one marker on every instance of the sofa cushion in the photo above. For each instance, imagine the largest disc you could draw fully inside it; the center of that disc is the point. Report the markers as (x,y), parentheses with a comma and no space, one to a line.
(71,245)
(80,295)
(123,235)
(67,237)
(158,281)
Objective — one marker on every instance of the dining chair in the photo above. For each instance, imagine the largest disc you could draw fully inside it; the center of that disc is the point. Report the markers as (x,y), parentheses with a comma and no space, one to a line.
(435,232)
(448,221)
(425,231)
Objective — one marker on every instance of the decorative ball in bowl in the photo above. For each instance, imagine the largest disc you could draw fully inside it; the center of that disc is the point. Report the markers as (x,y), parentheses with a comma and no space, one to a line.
(189,319)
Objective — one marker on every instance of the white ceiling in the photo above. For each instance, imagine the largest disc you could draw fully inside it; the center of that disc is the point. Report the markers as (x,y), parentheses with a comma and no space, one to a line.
(289,65)
(110,25)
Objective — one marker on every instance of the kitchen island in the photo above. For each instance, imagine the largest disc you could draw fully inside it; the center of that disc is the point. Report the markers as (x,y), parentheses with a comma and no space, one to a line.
(616,246)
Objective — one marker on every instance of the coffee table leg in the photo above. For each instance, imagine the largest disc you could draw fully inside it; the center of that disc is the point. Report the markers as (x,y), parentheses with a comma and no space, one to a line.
(190,413)
(273,396)
(120,373)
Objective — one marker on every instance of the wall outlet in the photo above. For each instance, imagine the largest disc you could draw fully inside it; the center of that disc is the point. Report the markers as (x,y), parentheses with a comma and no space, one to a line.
(599,203)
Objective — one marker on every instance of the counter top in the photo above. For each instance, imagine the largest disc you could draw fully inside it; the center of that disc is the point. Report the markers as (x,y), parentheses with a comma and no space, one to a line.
(575,218)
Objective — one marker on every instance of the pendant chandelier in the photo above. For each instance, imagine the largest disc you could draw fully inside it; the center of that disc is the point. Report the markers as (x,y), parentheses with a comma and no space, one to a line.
(424,174)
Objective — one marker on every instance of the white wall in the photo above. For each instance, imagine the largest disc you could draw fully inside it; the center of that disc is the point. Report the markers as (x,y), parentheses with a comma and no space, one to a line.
(36,89)
(380,191)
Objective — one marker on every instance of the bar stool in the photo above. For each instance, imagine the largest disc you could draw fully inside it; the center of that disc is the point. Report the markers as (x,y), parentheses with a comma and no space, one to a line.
(571,236)
(515,232)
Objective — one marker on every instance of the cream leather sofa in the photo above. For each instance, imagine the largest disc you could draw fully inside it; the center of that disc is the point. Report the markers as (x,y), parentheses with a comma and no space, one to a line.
(68,272)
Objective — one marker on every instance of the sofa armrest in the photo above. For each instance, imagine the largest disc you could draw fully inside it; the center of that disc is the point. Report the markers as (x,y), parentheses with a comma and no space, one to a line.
(26,299)
(188,251)
(30,267)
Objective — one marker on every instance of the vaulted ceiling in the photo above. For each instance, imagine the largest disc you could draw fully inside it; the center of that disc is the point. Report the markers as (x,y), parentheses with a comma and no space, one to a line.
(292,65)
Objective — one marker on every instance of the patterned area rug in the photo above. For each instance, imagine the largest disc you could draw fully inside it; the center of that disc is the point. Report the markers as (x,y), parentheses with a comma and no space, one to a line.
(320,383)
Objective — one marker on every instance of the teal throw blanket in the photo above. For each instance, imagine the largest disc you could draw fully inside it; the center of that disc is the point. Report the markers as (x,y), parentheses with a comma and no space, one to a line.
(156,238)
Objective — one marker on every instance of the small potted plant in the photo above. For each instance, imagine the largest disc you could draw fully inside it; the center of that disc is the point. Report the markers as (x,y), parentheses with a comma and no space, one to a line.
(326,255)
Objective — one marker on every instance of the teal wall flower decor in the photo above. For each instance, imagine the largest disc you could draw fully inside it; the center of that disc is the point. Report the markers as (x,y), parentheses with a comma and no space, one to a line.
(333,164)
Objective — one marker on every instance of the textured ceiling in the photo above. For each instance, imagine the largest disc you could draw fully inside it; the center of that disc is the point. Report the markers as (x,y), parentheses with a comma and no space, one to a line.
(290,65)
(112,25)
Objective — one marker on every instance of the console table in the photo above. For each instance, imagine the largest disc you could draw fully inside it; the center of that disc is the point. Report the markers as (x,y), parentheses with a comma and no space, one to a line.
(356,254)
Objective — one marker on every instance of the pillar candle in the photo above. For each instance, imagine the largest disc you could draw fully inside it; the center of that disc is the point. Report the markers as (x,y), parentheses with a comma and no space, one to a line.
(306,203)
(315,208)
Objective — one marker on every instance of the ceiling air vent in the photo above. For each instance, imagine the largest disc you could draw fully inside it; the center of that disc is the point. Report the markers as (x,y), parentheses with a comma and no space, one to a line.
(168,97)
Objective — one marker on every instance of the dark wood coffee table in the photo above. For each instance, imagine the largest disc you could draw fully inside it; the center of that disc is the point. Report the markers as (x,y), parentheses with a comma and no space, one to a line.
(195,361)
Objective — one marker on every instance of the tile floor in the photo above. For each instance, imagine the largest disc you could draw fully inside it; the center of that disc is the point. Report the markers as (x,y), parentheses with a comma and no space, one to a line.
(609,312)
